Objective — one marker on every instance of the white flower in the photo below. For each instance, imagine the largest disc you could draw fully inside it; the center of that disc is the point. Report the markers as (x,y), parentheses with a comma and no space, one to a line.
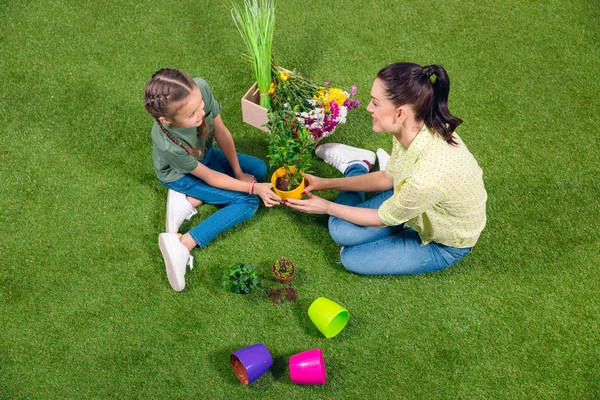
(342,116)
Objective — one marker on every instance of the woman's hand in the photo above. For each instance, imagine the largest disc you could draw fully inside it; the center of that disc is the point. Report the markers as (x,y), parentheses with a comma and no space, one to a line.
(313,205)
(244,177)
(266,194)
(314,183)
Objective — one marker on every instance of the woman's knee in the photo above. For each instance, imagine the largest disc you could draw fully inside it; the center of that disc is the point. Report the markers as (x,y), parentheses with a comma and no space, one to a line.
(338,230)
(353,264)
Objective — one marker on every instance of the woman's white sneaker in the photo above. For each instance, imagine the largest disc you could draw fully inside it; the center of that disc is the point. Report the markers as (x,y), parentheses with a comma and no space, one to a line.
(178,210)
(341,156)
(382,157)
(177,257)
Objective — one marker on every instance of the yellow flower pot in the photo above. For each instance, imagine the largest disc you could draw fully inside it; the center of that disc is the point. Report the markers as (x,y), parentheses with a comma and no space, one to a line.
(287,194)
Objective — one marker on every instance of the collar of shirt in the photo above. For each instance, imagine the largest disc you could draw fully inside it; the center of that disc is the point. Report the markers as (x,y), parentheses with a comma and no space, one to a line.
(411,155)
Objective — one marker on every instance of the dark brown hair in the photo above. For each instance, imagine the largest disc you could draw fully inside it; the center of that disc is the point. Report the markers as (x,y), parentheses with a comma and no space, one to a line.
(168,86)
(409,83)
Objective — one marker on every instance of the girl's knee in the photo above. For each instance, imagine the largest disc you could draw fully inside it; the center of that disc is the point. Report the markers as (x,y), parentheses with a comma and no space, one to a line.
(261,171)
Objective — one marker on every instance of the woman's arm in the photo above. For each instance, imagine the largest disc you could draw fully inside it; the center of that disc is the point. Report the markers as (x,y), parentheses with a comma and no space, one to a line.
(317,205)
(225,141)
(373,182)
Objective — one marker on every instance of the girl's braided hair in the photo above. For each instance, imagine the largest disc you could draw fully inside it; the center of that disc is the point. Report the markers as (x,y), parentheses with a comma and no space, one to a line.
(169,86)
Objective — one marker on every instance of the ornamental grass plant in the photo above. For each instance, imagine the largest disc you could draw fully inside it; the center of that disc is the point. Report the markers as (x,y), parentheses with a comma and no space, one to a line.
(255,20)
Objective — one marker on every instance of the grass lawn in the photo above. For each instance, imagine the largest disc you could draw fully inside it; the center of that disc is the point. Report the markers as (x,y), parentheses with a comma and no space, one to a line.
(86,310)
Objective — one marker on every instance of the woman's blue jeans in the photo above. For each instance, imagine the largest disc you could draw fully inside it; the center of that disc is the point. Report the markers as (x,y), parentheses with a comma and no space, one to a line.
(237,206)
(392,250)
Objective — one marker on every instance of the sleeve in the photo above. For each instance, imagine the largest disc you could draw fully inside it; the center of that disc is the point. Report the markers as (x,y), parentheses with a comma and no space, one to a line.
(410,201)
(180,160)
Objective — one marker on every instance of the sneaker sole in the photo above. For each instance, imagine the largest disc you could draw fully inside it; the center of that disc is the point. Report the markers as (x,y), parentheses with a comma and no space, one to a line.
(171,274)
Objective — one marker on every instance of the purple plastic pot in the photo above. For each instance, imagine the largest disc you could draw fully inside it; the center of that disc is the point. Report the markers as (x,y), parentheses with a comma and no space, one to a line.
(249,363)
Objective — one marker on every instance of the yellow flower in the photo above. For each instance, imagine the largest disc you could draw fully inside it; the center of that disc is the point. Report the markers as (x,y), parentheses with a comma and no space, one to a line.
(272,88)
(284,75)
(326,96)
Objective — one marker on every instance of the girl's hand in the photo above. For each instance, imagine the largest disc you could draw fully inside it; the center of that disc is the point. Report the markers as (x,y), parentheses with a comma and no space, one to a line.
(242,176)
(314,183)
(313,205)
(266,194)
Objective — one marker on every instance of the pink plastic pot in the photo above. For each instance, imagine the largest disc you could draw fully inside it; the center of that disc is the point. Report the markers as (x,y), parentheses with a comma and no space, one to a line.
(308,368)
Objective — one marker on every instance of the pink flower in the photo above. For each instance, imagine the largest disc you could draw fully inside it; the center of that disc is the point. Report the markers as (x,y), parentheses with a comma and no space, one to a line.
(334,109)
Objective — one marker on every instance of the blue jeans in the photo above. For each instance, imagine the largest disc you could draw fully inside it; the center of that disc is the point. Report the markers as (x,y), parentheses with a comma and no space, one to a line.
(392,250)
(238,206)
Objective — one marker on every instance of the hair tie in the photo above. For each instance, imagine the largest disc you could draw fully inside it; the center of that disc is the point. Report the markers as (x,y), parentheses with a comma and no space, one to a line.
(427,72)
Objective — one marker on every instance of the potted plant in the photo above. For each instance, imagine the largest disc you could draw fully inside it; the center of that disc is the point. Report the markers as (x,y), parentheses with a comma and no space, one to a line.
(255,21)
(241,279)
(283,270)
(290,150)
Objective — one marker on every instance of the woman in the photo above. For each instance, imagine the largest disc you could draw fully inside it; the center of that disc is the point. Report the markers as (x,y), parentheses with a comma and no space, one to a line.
(430,207)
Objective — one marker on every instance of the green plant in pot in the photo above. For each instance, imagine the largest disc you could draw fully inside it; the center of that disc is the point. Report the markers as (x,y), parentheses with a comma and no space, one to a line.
(241,279)
(283,270)
(290,150)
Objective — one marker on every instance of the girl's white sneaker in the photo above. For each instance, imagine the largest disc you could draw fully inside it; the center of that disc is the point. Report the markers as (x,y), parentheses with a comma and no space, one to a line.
(177,257)
(178,210)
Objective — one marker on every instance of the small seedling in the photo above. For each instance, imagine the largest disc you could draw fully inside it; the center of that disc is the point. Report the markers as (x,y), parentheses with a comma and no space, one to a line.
(241,279)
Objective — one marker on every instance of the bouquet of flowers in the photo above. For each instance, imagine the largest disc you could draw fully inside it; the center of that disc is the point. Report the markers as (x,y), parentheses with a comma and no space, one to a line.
(319,109)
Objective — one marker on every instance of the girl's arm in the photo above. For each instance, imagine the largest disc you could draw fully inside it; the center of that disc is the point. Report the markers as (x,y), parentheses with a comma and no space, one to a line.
(225,141)
(224,181)
(219,179)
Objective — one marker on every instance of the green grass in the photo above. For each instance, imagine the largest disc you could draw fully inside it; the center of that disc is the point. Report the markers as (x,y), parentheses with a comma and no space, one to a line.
(85,307)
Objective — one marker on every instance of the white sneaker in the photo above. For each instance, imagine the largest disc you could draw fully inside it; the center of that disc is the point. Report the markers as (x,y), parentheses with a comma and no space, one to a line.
(178,209)
(341,156)
(177,257)
(383,157)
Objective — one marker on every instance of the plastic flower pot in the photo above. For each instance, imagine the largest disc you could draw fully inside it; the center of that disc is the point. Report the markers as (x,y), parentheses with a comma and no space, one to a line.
(295,193)
(308,368)
(328,316)
(249,363)
(283,279)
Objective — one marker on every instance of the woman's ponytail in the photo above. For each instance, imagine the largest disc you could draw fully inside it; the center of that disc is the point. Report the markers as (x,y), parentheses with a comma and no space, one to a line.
(426,89)
(440,118)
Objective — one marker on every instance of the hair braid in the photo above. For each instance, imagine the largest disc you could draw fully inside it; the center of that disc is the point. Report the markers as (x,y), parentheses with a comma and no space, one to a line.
(167,87)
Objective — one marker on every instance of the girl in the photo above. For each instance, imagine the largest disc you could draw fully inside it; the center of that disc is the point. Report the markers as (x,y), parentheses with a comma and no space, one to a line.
(186,121)
(430,209)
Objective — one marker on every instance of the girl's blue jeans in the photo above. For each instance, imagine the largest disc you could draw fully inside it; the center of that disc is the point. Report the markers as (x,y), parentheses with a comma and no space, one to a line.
(392,250)
(237,206)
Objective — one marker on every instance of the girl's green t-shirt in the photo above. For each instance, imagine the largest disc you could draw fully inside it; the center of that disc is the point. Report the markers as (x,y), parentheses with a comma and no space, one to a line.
(171,161)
